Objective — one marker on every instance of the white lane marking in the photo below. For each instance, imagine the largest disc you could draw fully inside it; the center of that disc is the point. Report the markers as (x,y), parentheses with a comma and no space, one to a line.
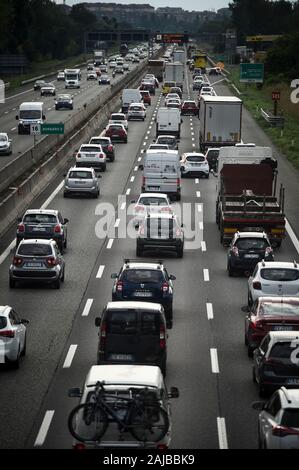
(197,181)
(6,252)
(292,236)
(123,206)
(42,434)
(19,94)
(198,194)
(132,179)
(199,207)
(139,159)
(193,145)
(222,434)
(136,168)
(128,192)
(148,132)
(6,112)
(100,272)
(150,128)
(203,246)
(210,312)
(49,109)
(200,225)
(87,307)
(214,361)
(13,129)
(144,144)
(117,222)
(70,356)
(110,243)
(146,138)
(206,275)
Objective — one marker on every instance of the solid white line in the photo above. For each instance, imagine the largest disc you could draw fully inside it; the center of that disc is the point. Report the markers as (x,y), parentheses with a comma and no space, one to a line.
(128,192)
(70,356)
(117,222)
(110,243)
(19,94)
(197,181)
(123,206)
(222,434)
(100,271)
(210,312)
(198,194)
(42,434)
(132,179)
(203,246)
(214,361)
(292,236)
(87,307)
(206,275)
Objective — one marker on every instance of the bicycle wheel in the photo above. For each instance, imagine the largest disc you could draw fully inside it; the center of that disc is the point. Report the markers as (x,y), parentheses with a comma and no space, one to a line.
(87,422)
(148,422)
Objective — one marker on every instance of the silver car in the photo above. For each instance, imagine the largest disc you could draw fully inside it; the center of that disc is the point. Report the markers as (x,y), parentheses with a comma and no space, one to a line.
(37,261)
(12,336)
(81,181)
(5,144)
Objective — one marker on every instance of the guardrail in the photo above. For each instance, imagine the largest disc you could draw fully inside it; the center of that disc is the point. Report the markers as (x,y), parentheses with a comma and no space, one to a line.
(274,121)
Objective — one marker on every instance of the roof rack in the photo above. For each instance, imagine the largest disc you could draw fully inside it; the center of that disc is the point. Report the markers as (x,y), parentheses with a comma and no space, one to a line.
(285,392)
(139,260)
(263,263)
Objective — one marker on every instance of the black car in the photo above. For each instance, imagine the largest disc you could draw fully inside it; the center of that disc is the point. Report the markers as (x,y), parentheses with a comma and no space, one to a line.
(107,146)
(64,102)
(104,80)
(212,156)
(160,232)
(146,282)
(246,250)
(38,84)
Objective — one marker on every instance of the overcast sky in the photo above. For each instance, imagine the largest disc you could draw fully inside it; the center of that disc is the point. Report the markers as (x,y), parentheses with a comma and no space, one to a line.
(186,4)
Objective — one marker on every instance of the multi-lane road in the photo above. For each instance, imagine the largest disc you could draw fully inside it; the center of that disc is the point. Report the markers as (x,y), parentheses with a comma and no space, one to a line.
(207,359)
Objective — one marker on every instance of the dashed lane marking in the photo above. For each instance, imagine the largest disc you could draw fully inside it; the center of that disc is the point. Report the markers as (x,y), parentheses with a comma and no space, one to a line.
(44,429)
(210,312)
(87,307)
(206,275)
(222,434)
(100,272)
(110,243)
(70,356)
(214,361)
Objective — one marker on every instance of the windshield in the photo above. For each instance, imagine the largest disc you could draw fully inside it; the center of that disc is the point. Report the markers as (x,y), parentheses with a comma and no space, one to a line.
(3,138)
(157,227)
(64,98)
(97,141)
(84,175)
(280,274)
(35,250)
(279,309)
(71,76)
(144,276)
(282,351)
(167,140)
(118,117)
(30,114)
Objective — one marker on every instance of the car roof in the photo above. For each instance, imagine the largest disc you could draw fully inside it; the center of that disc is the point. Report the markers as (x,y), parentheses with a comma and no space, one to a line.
(142,265)
(161,195)
(277,264)
(42,211)
(278,336)
(167,136)
(3,134)
(5,310)
(160,215)
(251,235)
(289,397)
(81,168)
(123,374)
(279,300)
(193,154)
(133,304)
(90,145)
(40,241)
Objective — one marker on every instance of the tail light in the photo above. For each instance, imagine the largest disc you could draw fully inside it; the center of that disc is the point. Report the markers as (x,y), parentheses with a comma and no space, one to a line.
(257,286)
(178,232)
(78,155)
(235,251)
(79,446)
(57,228)
(268,251)
(101,155)
(119,286)
(110,148)
(139,209)
(283,431)
(102,337)
(17,261)
(7,334)
(257,325)
(162,447)
(21,228)
(51,261)
(165,287)
(162,337)
(166,209)
(178,182)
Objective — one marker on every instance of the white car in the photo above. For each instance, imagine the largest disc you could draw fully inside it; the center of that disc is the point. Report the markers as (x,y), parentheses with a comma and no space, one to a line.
(92,75)
(194,164)
(136,111)
(12,336)
(126,67)
(112,65)
(158,147)
(171,96)
(206,90)
(48,89)
(60,76)
(5,144)
(91,155)
(119,118)
(273,278)
(278,422)
(150,203)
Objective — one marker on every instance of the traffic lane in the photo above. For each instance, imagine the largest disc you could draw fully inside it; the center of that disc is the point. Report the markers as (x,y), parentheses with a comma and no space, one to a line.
(47,334)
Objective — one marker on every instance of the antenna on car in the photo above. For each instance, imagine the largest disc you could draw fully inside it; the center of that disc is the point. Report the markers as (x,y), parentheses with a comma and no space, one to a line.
(295,264)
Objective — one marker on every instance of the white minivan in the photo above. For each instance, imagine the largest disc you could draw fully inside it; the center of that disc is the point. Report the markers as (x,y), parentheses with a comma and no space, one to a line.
(30,113)
(130,96)
(162,173)
(168,122)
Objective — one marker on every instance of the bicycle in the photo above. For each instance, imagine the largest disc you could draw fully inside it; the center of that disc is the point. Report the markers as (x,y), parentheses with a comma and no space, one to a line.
(141,414)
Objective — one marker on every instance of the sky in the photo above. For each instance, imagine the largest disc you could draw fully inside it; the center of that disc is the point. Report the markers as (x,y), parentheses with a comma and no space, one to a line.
(198,5)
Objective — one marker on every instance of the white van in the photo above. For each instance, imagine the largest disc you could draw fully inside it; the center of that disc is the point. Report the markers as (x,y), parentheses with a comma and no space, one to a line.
(30,113)
(168,122)
(162,173)
(130,96)
(72,78)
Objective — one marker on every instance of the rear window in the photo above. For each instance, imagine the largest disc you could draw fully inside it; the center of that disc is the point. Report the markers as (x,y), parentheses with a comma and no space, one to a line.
(158,201)
(82,175)
(142,275)
(280,274)
(118,117)
(3,322)
(35,250)
(150,323)
(252,243)
(115,127)
(280,309)
(196,158)
(122,322)
(290,418)
(90,149)
(167,140)
(135,108)
(40,219)
(169,84)
(213,153)
(282,351)
(99,141)
(190,104)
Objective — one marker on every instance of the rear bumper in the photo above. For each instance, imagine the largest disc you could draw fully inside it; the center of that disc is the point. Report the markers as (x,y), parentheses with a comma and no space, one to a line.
(87,164)
(247,264)
(68,190)
(23,275)
(175,245)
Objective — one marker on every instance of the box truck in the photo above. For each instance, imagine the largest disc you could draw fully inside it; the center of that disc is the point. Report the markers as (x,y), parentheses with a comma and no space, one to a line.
(174,71)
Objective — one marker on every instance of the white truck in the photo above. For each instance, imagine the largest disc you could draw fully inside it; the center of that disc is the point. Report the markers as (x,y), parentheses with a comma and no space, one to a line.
(180,56)
(174,71)
(168,122)
(130,95)
(220,121)
(162,173)
(72,78)
(30,113)
(99,57)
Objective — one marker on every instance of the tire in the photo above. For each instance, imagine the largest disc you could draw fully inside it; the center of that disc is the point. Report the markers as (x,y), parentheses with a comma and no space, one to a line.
(249,300)
(230,270)
(63,276)
(151,422)
(90,411)
(65,194)
(163,368)
(125,141)
(249,351)
(12,283)
(104,168)
(16,364)
(178,197)
(139,251)
(180,253)
(262,391)
(23,353)
(253,376)
(65,243)
(112,158)
(56,284)
(245,340)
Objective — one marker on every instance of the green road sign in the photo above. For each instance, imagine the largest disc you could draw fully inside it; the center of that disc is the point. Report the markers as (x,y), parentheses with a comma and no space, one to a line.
(252,73)
(52,128)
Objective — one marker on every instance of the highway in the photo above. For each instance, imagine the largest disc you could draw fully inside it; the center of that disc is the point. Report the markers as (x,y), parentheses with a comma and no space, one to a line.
(207,359)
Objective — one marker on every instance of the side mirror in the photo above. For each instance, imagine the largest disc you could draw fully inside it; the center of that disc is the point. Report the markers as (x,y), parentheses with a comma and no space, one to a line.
(141,167)
(99,176)
(182,225)
(258,405)
(64,176)
(133,201)
(44,117)
(114,276)
(65,221)
(17,118)
(97,322)
(24,321)
(174,392)
(172,278)
(74,393)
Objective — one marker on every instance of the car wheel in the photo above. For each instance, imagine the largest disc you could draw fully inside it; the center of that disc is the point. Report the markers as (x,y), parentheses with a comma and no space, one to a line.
(207,176)
(63,276)
(178,197)
(112,158)
(253,375)
(230,270)
(56,284)
(180,253)
(245,340)
(262,391)
(163,368)
(249,301)
(16,364)
(65,194)
(65,243)
(104,167)
(12,283)
(61,247)
(126,141)
(23,353)
(250,351)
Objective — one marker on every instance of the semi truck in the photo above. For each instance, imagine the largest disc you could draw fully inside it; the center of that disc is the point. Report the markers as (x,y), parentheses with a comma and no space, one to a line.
(174,71)
(157,68)
(247,194)
(220,121)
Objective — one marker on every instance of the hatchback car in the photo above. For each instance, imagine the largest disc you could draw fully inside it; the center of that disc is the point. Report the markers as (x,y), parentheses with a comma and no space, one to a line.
(177,90)
(37,261)
(119,69)
(91,155)
(146,97)
(275,362)
(104,80)
(150,203)
(136,111)
(147,282)
(104,68)
(160,232)
(148,86)
(173,104)
(92,75)
(169,140)
(12,336)
(270,314)
(276,278)
(132,332)
(64,102)
(5,144)
(81,181)
(106,145)
(48,89)
(119,118)
(194,164)
(116,132)
(246,250)
(189,108)
(278,421)
(43,223)
(171,96)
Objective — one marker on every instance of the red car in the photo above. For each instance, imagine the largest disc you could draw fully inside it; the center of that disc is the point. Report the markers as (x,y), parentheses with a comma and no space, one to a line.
(189,108)
(270,314)
(149,87)
(146,97)
(116,132)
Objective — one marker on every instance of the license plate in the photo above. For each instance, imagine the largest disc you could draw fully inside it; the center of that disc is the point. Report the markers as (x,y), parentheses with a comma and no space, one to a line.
(121,357)
(143,294)
(39,229)
(282,328)
(251,256)
(80,182)
(292,381)
(115,136)
(34,265)
(154,188)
